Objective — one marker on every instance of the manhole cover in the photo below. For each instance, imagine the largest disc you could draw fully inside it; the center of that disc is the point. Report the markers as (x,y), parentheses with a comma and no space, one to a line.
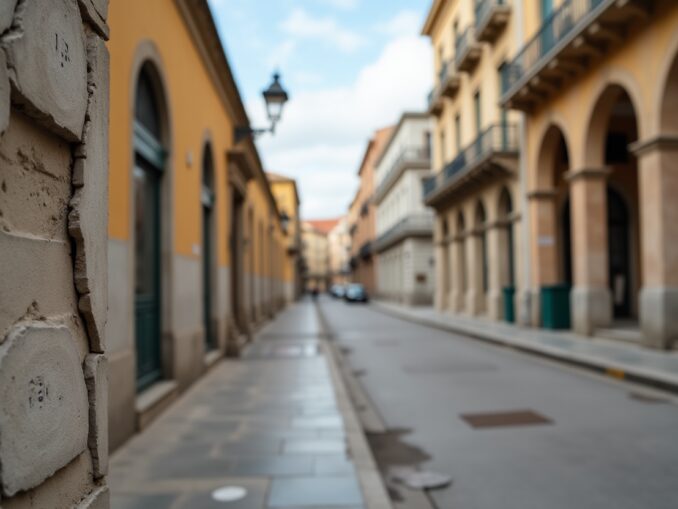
(506,419)
(420,480)
(229,494)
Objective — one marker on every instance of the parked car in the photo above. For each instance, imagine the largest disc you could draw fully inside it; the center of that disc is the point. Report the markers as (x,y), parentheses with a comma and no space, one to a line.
(356,293)
(338,291)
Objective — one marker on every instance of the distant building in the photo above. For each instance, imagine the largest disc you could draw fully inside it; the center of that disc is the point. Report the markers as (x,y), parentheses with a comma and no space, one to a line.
(286,196)
(316,249)
(404,226)
(339,241)
(362,228)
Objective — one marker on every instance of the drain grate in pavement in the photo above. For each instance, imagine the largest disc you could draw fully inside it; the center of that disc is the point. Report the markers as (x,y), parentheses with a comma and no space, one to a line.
(506,419)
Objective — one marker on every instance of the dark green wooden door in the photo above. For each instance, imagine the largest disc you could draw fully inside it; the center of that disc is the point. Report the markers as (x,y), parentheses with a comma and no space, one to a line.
(147,278)
(207,263)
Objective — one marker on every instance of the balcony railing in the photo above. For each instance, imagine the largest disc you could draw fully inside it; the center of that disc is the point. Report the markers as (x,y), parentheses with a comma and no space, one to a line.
(467,50)
(496,139)
(414,225)
(410,157)
(577,29)
(491,17)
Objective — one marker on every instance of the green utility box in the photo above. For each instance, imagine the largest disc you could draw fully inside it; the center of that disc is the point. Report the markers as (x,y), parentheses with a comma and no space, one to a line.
(555,307)
(509,293)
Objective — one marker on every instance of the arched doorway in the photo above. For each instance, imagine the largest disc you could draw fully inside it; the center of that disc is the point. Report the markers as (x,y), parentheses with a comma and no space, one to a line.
(506,254)
(618,231)
(149,165)
(444,260)
(208,201)
(613,127)
(461,269)
(551,222)
(481,272)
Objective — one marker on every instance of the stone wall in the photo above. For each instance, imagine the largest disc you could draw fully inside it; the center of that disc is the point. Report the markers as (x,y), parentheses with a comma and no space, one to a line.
(53,227)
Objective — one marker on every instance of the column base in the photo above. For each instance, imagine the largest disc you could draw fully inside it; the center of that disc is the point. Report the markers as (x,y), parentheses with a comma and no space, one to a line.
(439,301)
(474,303)
(531,307)
(495,305)
(659,317)
(522,300)
(591,309)
(456,301)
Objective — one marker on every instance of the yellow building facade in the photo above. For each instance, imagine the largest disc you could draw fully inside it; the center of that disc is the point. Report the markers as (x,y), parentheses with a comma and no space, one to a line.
(195,243)
(475,192)
(287,198)
(591,87)
(597,81)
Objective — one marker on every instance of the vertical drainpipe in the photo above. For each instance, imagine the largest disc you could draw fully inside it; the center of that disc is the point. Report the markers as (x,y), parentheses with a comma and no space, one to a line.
(526,295)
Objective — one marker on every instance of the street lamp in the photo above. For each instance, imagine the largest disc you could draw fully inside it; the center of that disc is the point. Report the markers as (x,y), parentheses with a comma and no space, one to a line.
(275,97)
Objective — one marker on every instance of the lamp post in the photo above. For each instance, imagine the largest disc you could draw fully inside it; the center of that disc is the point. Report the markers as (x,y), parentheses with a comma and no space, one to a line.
(275,97)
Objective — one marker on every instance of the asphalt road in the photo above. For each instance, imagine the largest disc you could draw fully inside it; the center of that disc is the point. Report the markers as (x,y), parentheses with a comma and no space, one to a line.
(607,444)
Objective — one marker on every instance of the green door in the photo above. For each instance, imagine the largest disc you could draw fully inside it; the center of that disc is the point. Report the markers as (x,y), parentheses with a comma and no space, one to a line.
(147,272)
(207,261)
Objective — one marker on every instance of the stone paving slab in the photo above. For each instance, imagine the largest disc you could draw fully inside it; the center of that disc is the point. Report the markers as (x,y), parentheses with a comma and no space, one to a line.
(269,422)
(615,358)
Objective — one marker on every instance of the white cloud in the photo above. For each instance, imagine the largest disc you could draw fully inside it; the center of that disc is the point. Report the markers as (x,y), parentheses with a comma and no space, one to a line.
(405,22)
(324,132)
(302,25)
(343,4)
(281,54)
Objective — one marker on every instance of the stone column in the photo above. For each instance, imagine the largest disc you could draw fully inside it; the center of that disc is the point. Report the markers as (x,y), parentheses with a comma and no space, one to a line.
(497,268)
(459,274)
(441,276)
(474,261)
(658,176)
(544,248)
(53,246)
(591,299)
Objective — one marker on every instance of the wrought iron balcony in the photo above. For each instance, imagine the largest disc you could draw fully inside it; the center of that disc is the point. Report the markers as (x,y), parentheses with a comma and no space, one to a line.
(414,225)
(568,40)
(467,50)
(415,158)
(495,151)
(491,18)
(447,86)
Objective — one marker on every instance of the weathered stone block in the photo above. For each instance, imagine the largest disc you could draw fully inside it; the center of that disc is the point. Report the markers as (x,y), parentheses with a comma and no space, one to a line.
(37,280)
(96,379)
(99,499)
(48,68)
(35,180)
(43,416)
(88,219)
(5,89)
(7,8)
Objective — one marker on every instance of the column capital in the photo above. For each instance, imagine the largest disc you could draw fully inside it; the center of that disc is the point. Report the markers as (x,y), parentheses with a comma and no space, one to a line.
(654,143)
(587,173)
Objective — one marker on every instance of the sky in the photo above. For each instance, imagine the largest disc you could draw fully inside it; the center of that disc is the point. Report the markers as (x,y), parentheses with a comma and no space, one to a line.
(350,67)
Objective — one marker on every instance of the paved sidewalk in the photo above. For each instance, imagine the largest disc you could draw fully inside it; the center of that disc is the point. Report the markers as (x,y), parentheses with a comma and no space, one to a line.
(270,423)
(615,358)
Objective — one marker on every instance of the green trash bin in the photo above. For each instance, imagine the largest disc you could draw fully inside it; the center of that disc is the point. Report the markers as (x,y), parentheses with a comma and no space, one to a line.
(509,307)
(555,307)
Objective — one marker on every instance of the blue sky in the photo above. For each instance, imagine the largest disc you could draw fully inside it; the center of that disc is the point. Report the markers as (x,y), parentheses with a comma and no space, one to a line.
(350,66)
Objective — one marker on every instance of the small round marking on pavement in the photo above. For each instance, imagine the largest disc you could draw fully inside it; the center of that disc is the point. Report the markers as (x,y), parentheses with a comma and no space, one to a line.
(229,494)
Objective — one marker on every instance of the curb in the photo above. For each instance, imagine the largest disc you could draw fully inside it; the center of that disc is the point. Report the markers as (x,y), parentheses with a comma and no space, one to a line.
(371,484)
(607,368)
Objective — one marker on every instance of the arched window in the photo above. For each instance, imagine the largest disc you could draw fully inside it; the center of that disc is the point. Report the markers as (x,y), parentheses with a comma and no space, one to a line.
(149,163)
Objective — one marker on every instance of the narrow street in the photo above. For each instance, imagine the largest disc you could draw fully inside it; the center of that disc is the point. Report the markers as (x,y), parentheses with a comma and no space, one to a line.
(268,423)
(596,443)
